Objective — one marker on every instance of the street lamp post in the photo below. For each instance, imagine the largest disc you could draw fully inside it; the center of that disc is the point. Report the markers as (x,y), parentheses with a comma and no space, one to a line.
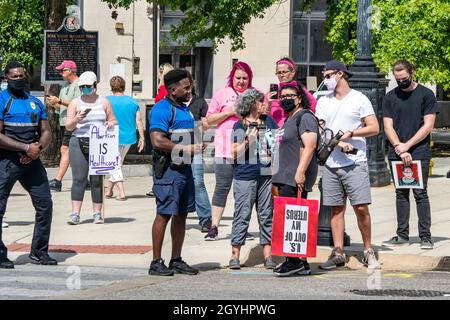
(372,83)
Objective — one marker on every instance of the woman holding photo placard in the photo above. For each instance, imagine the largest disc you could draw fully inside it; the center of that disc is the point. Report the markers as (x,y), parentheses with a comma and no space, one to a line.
(90,109)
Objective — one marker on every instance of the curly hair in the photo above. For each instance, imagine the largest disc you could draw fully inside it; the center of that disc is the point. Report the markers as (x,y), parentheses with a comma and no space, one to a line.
(246,102)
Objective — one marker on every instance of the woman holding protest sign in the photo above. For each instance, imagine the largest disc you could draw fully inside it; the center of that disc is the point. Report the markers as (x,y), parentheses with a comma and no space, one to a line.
(285,72)
(127,112)
(90,109)
(294,163)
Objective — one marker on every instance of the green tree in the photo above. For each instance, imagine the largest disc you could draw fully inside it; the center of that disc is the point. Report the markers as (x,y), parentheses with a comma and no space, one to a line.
(416,30)
(21,31)
(210,19)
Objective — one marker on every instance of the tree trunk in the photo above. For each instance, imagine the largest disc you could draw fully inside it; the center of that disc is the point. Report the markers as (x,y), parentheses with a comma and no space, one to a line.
(55,11)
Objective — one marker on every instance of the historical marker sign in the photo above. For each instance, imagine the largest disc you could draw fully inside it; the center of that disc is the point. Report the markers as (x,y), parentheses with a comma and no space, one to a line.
(70,42)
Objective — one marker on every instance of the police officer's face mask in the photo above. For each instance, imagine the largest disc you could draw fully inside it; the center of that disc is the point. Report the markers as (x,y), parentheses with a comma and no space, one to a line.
(17,86)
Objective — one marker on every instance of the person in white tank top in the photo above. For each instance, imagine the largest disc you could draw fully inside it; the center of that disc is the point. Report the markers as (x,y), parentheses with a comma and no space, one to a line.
(89,109)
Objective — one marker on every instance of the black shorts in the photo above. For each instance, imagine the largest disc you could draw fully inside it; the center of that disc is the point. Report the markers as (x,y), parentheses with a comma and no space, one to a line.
(65,136)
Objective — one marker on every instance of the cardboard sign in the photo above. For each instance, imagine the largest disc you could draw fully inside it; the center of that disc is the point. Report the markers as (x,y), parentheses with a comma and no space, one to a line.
(104,157)
(407,177)
(294,229)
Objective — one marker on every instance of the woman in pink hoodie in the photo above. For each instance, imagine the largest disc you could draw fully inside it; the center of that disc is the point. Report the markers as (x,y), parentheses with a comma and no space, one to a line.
(221,112)
(285,71)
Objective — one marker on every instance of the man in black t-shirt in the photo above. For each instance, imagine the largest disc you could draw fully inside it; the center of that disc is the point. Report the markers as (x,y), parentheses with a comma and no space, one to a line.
(409,115)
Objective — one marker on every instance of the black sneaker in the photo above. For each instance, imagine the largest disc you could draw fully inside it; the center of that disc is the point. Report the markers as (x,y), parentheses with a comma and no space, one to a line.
(206,226)
(290,268)
(55,185)
(158,268)
(42,258)
(179,266)
(212,235)
(5,263)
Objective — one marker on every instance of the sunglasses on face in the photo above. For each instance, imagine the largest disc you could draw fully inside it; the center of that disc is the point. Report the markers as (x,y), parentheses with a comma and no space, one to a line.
(85,86)
(328,76)
(281,73)
(288,96)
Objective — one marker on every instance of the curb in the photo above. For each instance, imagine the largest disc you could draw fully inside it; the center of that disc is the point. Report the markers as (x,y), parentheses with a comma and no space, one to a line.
(389,261)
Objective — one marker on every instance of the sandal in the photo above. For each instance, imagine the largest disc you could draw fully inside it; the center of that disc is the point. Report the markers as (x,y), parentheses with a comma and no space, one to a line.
(109,196)
(121,199)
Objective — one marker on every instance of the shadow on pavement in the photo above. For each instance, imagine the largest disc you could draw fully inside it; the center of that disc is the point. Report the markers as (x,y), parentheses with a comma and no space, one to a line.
(59,256)
(111,220)
(20,223)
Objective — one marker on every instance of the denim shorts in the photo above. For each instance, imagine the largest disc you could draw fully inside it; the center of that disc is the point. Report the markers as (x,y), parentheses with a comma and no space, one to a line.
(175,191)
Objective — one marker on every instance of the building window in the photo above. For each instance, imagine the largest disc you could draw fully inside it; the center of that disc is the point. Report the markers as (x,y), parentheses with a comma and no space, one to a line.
(309,48)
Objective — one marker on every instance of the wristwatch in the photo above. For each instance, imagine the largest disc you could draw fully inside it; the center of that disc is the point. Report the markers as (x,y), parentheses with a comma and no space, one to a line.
(351,133)
(41,147)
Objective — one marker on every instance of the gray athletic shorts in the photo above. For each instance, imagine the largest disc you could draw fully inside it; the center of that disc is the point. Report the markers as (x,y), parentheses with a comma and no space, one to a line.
(352,182)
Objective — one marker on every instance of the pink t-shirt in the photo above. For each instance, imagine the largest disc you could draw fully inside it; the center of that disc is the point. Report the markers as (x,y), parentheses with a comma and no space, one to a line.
(277,112)
(222,137)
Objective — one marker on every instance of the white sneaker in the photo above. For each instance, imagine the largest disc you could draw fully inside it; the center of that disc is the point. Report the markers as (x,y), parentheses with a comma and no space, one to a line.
(74,219)
(370,260)
(98,218)
(5,225)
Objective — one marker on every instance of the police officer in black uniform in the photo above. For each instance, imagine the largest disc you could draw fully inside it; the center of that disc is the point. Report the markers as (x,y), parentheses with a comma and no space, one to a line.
(24,133)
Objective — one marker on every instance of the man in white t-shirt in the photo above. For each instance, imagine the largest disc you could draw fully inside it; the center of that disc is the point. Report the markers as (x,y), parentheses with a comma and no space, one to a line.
(346,173)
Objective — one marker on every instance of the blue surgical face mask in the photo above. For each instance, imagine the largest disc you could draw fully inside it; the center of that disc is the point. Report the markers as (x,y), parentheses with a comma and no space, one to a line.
(86,91)
(4,86)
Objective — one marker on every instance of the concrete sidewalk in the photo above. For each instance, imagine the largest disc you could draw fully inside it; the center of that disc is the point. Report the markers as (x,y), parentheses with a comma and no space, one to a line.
(125,239)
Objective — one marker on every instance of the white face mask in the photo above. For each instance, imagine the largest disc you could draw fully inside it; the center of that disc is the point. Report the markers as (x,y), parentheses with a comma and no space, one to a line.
(330,83)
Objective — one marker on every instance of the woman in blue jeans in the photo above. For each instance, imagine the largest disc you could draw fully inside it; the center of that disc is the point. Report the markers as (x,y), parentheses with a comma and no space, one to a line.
(199,107)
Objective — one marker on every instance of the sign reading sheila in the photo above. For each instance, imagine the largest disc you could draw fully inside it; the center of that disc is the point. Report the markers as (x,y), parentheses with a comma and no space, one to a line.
(104,157)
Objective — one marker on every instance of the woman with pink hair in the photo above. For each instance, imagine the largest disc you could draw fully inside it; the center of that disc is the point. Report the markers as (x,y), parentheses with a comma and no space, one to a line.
(221,112)
(285,71)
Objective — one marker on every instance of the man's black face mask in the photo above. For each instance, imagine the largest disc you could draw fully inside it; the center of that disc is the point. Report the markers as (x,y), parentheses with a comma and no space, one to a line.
(17,87)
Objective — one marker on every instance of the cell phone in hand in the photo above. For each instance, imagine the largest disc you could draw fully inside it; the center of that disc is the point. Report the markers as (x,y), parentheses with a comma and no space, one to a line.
(86,111)
(274,88)
(354,151)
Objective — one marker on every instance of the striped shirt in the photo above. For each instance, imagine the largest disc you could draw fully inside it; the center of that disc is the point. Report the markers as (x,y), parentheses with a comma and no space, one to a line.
(97,117)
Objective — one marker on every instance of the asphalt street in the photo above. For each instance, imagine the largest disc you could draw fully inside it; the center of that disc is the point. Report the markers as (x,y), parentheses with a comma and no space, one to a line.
(40,282)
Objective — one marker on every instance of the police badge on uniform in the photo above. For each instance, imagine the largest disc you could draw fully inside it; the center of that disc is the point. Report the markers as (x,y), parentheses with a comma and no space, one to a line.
(33,105)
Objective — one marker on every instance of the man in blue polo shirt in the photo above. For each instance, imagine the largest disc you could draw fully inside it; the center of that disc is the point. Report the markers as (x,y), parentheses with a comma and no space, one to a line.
(171,132)
(24,133)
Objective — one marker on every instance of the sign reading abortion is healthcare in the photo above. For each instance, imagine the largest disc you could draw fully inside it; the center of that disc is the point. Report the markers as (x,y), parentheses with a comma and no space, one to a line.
(104,157)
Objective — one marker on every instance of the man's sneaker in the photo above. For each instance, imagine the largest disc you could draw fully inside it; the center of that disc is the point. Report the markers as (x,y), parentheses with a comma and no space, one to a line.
(4,224)
(42,258)
(206,226)
(249,236)
(55,185)
(426,244)
(179,266)
(212,235)
(74,219)
(370,260)
(5,263)
(98,218)
(269,263)
(158,268)
(395,242)
(289,268)
(334,260)
(235,264)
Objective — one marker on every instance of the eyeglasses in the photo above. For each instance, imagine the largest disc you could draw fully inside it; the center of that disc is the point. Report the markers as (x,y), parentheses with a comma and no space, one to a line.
(288,96)
(282,73)
(328,76)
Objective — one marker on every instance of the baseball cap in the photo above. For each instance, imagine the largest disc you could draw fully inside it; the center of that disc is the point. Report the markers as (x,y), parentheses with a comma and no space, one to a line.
(337,65)
(87,79)
(67,64)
